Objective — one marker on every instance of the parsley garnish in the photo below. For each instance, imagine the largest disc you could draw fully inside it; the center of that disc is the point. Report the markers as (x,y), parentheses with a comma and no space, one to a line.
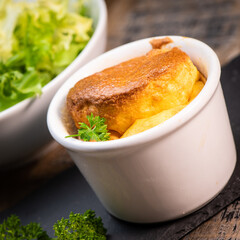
(96,131)
(84,226)
(12,229)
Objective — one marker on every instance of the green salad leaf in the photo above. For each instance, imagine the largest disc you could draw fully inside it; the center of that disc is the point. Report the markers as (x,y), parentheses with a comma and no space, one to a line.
(38,40)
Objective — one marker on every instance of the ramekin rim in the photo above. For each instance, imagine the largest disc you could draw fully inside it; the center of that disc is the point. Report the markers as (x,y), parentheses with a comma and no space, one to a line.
(159,131)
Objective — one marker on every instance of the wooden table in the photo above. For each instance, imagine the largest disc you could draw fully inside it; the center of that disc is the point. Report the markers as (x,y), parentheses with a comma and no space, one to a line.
(215,22)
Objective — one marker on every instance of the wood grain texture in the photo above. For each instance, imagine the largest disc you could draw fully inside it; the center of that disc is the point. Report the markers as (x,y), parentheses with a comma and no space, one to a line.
(215,22)
(225,225)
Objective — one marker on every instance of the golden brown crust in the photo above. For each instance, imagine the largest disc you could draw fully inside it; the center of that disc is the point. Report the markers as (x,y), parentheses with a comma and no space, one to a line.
(157,43)
(134,89)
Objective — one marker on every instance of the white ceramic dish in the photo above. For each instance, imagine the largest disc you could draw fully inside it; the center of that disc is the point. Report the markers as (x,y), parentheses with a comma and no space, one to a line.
(165,172)
(23,127)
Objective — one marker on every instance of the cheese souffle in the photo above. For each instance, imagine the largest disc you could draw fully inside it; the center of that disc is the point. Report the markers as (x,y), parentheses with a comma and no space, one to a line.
(137,94)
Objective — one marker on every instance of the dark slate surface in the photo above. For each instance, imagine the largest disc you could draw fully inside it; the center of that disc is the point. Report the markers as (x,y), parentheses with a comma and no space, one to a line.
(70,192)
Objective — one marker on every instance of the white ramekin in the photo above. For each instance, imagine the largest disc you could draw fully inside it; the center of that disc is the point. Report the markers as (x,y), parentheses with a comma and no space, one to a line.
(23,128)
(165,172)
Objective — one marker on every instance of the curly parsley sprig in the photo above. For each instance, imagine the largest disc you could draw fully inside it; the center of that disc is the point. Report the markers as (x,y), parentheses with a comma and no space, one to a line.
(12,229)
(96,131)
(85,226)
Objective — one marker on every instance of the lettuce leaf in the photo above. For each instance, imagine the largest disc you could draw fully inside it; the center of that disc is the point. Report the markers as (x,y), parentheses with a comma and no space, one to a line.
(38,40)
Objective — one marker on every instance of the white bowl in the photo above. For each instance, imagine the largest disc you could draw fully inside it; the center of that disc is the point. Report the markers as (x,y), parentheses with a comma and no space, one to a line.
(23,127)
(165,172)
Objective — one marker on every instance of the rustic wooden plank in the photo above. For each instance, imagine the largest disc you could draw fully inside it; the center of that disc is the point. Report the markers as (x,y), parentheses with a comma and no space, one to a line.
(214,22)
(224,225)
